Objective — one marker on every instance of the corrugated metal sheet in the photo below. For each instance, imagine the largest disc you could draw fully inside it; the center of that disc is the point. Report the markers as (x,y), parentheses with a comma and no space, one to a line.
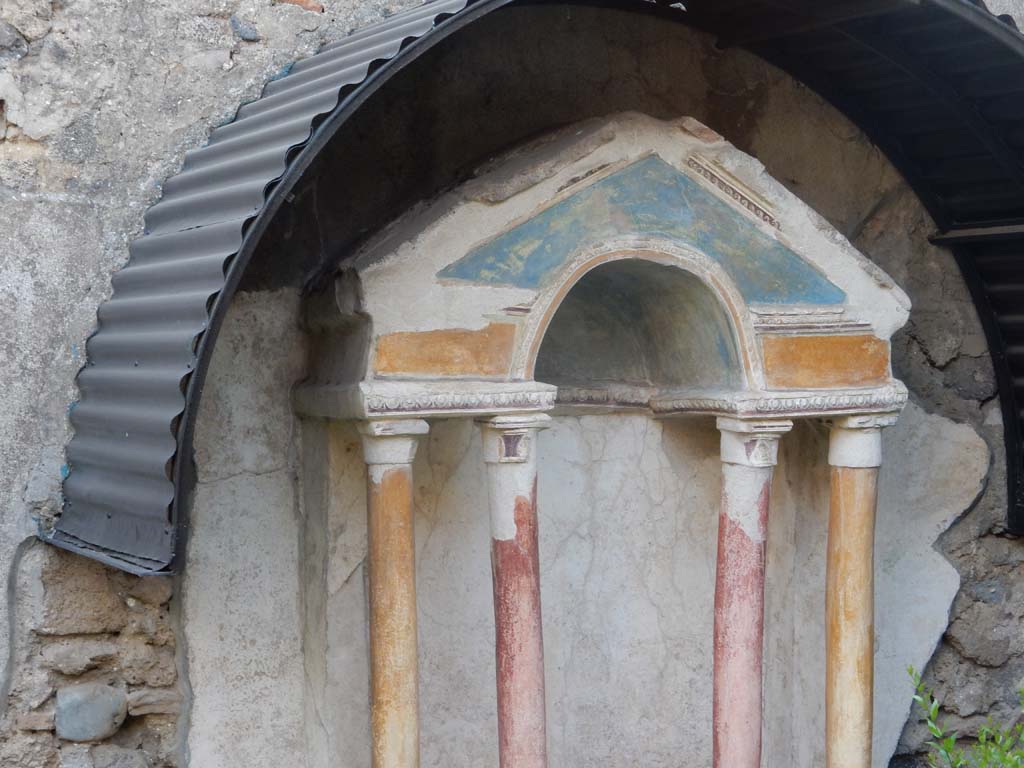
(139,388)
(937,84)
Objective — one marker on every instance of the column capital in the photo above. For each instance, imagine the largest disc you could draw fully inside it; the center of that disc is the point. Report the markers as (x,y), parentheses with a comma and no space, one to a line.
(752,442)
(506,422)
(856,441)
(505,437)
(391,441)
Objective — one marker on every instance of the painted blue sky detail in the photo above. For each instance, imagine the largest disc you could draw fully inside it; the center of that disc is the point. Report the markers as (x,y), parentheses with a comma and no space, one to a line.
(651,198)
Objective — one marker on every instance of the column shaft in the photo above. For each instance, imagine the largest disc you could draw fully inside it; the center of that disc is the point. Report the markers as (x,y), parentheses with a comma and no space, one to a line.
(510,453)
(389,448)
(855,455)
(849,611)
(739,616)
(749,452)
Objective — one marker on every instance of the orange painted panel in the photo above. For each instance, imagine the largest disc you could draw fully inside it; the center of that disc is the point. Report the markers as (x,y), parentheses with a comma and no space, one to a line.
(454,352)
(812,362)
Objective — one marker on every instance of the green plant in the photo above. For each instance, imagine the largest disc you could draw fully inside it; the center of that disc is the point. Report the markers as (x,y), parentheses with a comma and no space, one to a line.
(996,747)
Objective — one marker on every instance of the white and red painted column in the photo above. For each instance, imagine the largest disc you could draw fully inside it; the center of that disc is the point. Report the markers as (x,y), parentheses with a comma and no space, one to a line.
(749,453)
(510,451)
(855,454)
(388,448)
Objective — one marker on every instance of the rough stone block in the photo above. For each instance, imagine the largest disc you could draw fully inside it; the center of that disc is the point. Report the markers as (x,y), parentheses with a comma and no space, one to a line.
(37,720)
(145,664)
(75,656)
(75,756)
(90,711)
(12,44)
(28,750)
(981,633)
(80,598)
(245,30)
(152,590)
(154,701)
(111,756)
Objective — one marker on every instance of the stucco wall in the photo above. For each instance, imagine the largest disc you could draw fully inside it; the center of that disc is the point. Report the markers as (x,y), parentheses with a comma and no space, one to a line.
(100,100)
(628,511)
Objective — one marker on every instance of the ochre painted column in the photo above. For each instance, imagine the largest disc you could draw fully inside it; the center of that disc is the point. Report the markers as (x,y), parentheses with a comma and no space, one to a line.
(389,448)
(749,452)
(510,451)
(855,453)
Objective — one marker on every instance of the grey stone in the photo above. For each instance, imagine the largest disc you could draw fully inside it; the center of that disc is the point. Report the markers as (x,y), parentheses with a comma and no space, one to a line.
(245,30)
(939,333)
(75,756)
(27,750)
(31,17)
(111,756)
(90,711)
(981,633)
(988,591)
(972,377)
(12,45)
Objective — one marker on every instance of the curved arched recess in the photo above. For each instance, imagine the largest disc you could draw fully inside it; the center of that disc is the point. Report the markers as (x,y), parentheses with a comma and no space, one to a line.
(930,82)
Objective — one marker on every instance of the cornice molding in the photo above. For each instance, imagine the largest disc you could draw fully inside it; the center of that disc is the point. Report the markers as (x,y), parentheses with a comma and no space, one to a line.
(889,398)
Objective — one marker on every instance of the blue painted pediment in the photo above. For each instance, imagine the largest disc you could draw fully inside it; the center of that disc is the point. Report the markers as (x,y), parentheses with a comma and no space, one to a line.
(649,198)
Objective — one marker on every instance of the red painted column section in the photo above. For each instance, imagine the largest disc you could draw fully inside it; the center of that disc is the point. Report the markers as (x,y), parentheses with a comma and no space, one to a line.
(511,457)
(749,452)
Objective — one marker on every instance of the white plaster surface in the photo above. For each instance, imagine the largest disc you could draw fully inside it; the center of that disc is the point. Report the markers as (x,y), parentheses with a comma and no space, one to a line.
(628,527)
(241,597)
(742,489)
(932,471)
(854,447)
(275,616)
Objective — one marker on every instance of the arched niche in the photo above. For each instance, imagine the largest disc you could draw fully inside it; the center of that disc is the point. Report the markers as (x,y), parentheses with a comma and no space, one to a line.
(641,322)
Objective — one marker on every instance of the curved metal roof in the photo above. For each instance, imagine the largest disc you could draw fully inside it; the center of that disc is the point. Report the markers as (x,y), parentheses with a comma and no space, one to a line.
(937,84)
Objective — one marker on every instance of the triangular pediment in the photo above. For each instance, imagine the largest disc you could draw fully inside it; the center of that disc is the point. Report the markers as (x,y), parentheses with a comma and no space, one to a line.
(649,198)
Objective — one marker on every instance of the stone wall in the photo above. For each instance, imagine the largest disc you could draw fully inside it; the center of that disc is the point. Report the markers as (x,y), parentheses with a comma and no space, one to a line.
(97,675)
(100,99)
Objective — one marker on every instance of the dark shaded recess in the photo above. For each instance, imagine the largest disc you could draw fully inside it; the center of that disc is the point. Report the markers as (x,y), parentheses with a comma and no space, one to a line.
(356,134)
(639,323)
(460,104)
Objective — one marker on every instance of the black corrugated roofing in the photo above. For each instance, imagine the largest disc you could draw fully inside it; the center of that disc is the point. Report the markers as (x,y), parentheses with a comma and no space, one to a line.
(939,85)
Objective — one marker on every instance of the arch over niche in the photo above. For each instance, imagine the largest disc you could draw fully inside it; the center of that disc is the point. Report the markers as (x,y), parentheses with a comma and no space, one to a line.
(642,322)
(131,458)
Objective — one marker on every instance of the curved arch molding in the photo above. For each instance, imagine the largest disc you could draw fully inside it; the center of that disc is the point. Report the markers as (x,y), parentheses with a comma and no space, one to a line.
(959,142)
